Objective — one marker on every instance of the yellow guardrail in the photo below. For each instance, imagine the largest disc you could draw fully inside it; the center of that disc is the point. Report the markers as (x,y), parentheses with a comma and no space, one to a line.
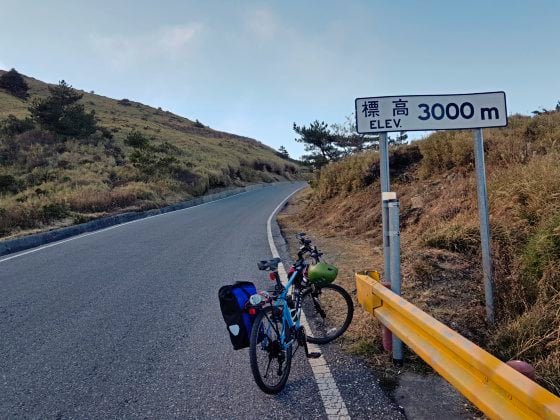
(495,388)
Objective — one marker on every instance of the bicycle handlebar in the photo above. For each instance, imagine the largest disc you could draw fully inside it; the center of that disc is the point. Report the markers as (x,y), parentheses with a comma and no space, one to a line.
(306,248)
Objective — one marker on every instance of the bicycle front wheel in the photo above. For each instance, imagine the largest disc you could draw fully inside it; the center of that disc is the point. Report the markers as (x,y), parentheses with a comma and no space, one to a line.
(329,311)
(270,363)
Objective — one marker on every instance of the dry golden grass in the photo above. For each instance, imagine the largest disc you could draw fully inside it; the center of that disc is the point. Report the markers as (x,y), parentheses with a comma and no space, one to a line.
(440,235)
(51,181)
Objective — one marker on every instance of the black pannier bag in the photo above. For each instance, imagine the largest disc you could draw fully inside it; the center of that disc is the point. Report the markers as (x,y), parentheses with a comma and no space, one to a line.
(233,300)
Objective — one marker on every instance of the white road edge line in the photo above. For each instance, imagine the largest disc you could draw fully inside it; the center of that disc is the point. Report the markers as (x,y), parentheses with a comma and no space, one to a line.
(332,400)
(40,248)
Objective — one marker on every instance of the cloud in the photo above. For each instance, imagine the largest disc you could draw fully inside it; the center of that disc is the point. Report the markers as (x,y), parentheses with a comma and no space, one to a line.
(305,61)
(263,24)
(169,42)
(177,38)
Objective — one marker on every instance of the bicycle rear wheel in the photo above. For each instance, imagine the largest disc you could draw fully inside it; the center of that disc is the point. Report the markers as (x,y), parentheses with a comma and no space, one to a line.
(270,363)
(329,311)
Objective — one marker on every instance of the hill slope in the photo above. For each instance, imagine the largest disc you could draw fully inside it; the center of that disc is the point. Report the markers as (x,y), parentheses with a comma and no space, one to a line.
(47,180)
(435,181)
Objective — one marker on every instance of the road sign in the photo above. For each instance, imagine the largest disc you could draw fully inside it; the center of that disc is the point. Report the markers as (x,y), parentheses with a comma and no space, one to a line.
(384,114)
(430,112)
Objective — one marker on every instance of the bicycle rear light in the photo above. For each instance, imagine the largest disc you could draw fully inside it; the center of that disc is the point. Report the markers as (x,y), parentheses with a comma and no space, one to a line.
(271,276)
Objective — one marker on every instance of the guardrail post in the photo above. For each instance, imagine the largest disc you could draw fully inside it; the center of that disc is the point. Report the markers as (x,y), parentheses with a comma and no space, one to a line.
(386,242)
(395,258)
(385,187)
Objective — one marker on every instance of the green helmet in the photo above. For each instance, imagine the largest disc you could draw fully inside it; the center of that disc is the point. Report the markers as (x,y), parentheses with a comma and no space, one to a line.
(322,273)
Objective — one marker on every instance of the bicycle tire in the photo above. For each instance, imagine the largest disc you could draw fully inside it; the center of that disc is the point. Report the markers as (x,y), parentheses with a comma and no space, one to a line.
(265,343)
(329,311)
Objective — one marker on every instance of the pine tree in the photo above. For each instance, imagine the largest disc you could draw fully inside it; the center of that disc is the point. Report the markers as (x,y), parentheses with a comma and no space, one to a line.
(317,139)
(14,83)
(283,152)
(61,113)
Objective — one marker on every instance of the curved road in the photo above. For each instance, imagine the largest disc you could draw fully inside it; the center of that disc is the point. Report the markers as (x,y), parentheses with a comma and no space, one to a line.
(125,323)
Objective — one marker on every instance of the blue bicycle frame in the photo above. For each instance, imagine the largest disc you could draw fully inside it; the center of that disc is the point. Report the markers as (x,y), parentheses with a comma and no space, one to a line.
(288,322)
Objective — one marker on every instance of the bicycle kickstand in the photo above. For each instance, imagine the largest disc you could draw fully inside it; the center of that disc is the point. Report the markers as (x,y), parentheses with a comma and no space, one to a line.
(302,341)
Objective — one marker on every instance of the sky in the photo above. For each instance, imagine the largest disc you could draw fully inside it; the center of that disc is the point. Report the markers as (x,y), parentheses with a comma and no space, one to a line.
(256,67)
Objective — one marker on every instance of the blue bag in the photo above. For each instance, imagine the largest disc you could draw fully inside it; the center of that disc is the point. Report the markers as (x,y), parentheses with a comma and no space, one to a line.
(233,301)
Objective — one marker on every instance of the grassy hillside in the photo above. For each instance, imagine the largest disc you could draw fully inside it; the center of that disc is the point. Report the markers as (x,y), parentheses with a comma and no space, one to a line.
(442,271)
(50,180)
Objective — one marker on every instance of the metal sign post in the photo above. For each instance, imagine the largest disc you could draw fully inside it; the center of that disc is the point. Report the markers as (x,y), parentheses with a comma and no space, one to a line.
(391,250)
(484,223)
(395,257)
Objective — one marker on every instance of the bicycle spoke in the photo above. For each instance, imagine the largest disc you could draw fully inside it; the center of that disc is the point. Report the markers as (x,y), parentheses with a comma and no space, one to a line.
(318,308)
(270,363)
(328,311)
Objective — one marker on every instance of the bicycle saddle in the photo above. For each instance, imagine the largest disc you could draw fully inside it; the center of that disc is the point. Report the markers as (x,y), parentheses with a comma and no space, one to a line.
(271,265)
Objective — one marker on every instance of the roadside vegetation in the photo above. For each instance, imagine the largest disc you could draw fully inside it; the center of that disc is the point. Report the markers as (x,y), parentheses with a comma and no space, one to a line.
(326,143)
(67,156)
(435,181)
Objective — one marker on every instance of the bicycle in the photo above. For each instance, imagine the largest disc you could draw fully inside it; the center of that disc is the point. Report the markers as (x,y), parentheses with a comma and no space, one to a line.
(277,327)
(328,307)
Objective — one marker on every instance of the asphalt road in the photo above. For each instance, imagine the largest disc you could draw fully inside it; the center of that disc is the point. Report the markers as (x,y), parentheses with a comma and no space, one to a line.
(125,323)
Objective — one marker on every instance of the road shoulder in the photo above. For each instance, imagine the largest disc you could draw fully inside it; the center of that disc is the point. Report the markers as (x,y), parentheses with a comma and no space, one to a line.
(415,389)
(358,385)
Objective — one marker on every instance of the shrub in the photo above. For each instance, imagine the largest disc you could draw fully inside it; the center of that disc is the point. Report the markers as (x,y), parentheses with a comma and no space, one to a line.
(455,238)
(52,212)
(541,261)
(523,139)
(60,112)
(12,126)
(14,83)
(137,140)
(151,163)
(106,133)
(79,218)
(168,148)
(543,132)
(402,158)
(39,176)
(444,150)
(125,102)
(349,174)
(116,152)
(36,136)
(23,216)
(185,176)
(533,337)
(509,145)
(8,184)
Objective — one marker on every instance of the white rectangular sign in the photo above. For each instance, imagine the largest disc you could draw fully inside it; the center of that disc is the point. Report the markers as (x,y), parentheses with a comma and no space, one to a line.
(430,112)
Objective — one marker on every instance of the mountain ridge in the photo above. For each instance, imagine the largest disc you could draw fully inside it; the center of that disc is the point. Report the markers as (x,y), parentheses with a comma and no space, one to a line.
(47,178)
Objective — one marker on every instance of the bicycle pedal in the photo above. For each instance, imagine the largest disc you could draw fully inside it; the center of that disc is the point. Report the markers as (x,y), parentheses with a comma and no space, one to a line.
(314,355)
